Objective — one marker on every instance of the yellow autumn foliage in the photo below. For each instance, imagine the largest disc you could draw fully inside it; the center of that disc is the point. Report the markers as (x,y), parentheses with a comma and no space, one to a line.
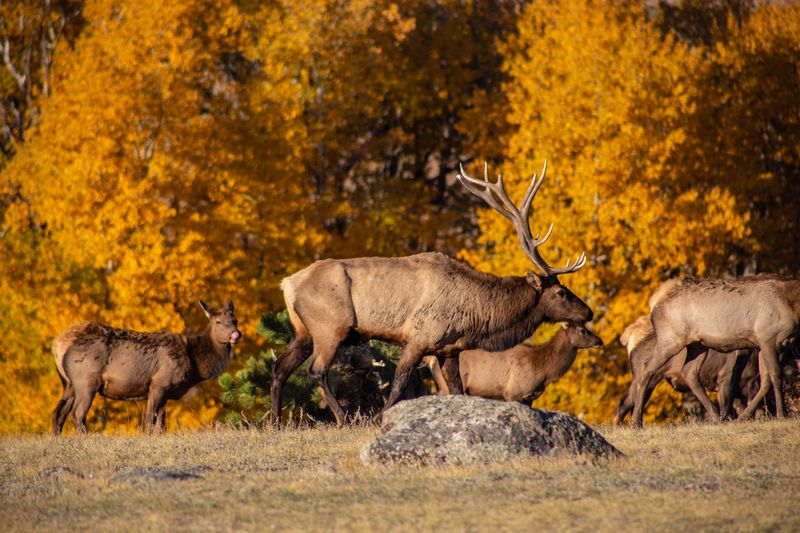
(613,105)
(206,149)
(162,173)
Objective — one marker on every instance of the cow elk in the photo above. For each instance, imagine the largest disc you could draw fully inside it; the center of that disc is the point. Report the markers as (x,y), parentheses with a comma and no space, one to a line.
(427,303)
(694,369)
(759,312)
(521,373)
(129,365)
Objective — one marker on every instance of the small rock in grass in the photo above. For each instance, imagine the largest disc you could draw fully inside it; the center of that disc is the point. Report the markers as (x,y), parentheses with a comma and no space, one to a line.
(144,475)
(60,473)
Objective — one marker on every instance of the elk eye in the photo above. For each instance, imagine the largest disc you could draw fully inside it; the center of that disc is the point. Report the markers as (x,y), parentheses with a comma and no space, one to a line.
(561,293)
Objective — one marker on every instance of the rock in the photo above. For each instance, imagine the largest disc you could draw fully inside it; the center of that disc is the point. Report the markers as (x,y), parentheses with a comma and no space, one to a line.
(465,429)
(155,474)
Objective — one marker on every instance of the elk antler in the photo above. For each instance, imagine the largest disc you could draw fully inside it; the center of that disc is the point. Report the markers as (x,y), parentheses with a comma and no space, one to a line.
(518,216)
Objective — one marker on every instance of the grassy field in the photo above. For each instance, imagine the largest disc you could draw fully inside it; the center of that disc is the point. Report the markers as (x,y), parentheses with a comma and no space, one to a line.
(741,476)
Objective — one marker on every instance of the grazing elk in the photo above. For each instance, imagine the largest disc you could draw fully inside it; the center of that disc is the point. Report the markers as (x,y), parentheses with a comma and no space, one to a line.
(428,303)
(731,374)
(521,373)
(130,365)
(758,312)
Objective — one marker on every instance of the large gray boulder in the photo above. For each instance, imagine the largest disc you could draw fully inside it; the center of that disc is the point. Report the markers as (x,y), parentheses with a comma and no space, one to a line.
(465,429)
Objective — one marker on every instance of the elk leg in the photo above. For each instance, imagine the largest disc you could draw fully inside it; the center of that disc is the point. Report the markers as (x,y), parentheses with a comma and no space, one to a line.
(725,388)
(161,419)
(451,374)
(644,389)
(409,359)
(436,373)
(625,405)
(773,367)
(763,389)
(324,352)
(294,355)
(691,373)
(155,404)
(693,381)
(725,397)
(83,401)
(63,408)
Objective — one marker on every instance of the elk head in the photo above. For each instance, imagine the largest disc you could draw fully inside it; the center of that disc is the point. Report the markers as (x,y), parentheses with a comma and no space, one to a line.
(582,337)
(222,323)
(557,302)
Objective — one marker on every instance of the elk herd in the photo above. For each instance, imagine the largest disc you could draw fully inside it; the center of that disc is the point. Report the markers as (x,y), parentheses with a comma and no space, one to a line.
(733,336)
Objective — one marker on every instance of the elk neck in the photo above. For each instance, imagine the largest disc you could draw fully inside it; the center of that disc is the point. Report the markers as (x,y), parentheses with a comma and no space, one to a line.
(209,356)
(511,313)
(559,356)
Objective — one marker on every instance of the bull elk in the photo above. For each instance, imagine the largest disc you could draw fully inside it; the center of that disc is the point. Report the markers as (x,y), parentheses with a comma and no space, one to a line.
(758,312)
(129,365)
(428,303)
(731,374)
(521,373)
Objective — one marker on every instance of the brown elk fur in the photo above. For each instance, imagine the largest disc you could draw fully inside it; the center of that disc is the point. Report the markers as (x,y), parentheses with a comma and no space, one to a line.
(130,365)
(521,373)
(727,314)
(731,374)
(428,303)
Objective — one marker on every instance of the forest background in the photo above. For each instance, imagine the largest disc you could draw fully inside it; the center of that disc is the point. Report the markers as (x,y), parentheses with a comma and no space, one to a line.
(157,152)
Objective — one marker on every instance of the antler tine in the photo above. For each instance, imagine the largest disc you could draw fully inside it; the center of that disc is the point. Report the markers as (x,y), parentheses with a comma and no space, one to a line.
(570,269)
(533,188)
(518,216)
(483,190)
(543,240)
(499,188)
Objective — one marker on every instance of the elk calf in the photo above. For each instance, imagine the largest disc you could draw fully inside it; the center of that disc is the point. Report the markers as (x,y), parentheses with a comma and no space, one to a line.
(520,374)
(129,365)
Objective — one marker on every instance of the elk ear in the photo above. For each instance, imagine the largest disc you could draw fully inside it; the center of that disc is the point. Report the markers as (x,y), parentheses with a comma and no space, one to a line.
(205,308)
(535,280)
(229,305)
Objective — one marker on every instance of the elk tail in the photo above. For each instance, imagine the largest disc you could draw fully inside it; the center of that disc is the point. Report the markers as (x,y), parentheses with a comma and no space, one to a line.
(62,344)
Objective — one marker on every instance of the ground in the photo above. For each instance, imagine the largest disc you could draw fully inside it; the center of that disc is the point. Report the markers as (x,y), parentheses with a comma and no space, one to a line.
(742,476)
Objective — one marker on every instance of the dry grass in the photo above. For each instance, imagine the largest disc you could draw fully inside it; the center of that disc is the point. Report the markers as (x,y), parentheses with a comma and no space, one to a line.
(710,477)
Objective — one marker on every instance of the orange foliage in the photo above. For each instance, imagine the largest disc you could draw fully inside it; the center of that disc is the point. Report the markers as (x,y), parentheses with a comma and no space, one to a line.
(209,148)
(151,181)
(610,102)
